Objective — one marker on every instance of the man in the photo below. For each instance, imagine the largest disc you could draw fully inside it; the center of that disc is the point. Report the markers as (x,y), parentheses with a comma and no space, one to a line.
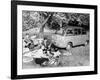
(55,57)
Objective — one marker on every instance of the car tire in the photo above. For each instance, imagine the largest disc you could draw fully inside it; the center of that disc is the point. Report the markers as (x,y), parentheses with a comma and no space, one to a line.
(86,42)
(69,46)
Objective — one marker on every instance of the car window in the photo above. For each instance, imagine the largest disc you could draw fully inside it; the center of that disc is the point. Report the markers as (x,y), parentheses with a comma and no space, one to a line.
(77,31)
(69,32)
(83,31)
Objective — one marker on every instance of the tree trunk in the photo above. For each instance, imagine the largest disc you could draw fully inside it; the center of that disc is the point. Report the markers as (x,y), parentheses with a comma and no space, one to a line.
(43,24)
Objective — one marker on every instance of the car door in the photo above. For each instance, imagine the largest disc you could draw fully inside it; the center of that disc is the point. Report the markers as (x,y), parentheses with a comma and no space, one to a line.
(77,37)
(69,36)
(85,37)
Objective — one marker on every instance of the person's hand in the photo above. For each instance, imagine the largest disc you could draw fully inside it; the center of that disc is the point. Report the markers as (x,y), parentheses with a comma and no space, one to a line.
(49,15)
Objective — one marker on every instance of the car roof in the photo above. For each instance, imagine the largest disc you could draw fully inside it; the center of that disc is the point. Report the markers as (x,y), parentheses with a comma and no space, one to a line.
(73,27)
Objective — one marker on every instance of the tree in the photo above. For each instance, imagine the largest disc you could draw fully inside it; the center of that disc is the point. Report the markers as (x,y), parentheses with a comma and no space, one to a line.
(43,24)
(53,20)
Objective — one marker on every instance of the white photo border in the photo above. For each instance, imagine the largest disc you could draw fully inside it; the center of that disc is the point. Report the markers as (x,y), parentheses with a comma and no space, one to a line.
(21,71)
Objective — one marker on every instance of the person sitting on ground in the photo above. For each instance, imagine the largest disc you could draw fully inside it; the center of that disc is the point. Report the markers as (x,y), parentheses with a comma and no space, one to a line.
(56,53)
(54,57)
(39,57)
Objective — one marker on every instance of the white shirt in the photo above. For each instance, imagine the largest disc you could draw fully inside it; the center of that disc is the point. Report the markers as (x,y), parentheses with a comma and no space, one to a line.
(33,37)
(35,41)
(56,54)
(38,54)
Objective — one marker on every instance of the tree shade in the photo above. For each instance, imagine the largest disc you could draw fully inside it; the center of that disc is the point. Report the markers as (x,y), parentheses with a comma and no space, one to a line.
(53,20)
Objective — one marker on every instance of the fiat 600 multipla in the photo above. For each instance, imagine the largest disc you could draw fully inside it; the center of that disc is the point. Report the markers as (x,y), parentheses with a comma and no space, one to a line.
(70,37)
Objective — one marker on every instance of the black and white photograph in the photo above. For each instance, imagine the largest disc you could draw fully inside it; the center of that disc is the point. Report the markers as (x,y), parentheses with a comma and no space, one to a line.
(53,40)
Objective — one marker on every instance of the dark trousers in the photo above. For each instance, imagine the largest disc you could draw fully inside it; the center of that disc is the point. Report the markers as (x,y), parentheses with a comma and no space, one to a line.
(40,60)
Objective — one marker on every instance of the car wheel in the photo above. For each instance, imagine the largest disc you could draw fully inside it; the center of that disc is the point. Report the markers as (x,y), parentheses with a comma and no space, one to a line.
(86,42)
(69,46)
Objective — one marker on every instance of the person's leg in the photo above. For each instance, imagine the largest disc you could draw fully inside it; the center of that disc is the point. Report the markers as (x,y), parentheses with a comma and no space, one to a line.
(44,61)
(38,61)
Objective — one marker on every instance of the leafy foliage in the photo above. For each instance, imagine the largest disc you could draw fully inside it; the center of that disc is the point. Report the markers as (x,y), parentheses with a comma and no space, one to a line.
(56,20)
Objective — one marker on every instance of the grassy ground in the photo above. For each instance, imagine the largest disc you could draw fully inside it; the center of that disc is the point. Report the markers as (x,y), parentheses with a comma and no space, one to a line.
(79,57)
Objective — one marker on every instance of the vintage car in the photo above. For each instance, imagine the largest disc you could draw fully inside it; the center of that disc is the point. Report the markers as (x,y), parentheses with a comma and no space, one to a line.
(70,37)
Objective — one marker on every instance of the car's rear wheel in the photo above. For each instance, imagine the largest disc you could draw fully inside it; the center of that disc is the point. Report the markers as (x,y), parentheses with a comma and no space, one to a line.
(86,42)
(69,46)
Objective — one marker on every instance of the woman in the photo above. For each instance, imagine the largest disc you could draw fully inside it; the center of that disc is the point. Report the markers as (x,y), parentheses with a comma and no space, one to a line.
(39,57)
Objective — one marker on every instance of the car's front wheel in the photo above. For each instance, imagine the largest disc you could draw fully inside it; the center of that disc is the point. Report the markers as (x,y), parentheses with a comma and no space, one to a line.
(69,46)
